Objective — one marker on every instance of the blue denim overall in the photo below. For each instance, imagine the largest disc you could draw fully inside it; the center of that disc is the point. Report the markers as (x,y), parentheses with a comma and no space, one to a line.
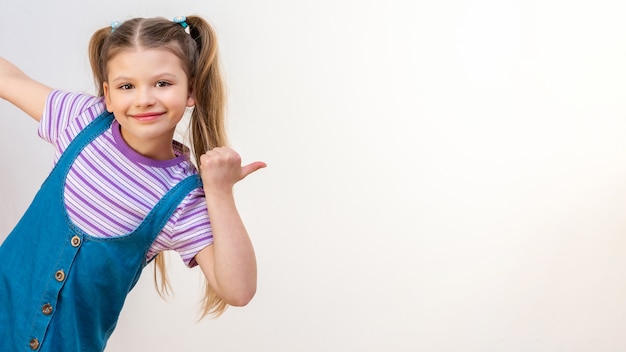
(61,289)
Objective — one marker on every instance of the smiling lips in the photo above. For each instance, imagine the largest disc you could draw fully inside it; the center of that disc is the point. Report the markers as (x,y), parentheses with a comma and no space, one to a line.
(148,116)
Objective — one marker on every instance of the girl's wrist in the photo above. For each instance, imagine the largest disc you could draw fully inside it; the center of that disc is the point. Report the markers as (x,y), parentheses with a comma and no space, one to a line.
(218,193)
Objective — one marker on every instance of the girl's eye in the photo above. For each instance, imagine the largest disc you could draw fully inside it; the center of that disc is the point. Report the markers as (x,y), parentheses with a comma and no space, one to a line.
(162,84)
(126,86)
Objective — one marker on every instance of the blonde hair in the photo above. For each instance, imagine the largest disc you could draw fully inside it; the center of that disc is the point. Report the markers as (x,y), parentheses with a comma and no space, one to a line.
(197,51)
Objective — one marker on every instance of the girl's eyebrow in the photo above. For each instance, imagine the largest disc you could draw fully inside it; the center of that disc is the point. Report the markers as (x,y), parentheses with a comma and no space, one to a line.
(120,79)
(156,76)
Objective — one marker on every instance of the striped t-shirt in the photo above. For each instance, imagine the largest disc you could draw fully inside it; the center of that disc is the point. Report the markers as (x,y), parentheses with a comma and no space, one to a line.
(110,188)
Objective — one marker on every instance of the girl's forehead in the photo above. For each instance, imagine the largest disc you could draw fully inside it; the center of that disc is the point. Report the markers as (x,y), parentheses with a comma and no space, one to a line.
(139,57)
(144,63)
(141,53)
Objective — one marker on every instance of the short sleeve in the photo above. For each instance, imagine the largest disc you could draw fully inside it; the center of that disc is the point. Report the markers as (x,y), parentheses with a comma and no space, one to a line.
(189,231)
(61,109)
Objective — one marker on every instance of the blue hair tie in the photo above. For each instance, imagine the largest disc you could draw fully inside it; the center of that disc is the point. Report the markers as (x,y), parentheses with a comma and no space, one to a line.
(115,25)
(182,20)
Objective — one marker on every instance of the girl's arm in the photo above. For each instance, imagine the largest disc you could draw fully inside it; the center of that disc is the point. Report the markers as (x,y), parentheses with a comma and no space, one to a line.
(22,91)
(229,264)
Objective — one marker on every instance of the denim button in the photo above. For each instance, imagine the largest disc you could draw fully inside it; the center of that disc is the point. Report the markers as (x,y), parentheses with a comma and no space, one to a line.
(59,275)
(46,309)
(75,241)
(34,344)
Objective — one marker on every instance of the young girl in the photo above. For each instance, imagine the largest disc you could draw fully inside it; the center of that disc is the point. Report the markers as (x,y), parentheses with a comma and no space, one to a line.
(122,190)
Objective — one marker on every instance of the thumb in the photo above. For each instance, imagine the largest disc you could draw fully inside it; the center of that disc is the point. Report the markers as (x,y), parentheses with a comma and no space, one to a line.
(252,167)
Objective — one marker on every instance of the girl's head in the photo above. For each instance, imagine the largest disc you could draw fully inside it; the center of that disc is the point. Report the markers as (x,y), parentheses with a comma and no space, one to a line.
(194,43)
(196,47)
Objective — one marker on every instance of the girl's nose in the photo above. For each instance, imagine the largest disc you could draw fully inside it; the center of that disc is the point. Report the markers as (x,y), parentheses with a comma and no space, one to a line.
(144,97)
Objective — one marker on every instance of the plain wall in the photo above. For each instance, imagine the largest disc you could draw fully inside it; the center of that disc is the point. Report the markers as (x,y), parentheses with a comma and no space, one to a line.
(442,175)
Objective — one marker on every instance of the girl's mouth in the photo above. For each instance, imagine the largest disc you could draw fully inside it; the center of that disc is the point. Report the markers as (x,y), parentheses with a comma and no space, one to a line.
(147,116)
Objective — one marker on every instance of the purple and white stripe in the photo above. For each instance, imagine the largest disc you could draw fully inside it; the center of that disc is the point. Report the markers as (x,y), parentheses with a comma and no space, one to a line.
(110,188)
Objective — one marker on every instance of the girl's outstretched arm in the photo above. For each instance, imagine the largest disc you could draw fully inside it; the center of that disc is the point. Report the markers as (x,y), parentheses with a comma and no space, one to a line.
(22,91)
(229,264)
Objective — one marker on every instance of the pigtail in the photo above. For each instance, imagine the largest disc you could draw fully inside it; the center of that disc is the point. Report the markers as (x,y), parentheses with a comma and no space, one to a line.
(207,119)
(95,59)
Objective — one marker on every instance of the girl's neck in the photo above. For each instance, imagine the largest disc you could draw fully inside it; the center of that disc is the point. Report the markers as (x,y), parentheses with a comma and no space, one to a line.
(152,149)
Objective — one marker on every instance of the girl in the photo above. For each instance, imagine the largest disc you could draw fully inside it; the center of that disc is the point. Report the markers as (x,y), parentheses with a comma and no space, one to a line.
(122,190)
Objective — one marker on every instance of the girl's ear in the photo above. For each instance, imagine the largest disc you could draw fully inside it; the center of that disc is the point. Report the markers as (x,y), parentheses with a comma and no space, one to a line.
(107,96)
(191,99)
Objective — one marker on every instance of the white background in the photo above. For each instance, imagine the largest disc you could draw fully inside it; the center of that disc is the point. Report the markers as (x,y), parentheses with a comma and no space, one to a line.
(442,175)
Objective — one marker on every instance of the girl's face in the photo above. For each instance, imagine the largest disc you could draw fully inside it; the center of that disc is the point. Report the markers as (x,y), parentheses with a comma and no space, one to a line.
(147,91)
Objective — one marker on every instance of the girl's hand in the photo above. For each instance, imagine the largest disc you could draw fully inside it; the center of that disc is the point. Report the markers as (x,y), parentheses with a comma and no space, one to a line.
(220,169)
